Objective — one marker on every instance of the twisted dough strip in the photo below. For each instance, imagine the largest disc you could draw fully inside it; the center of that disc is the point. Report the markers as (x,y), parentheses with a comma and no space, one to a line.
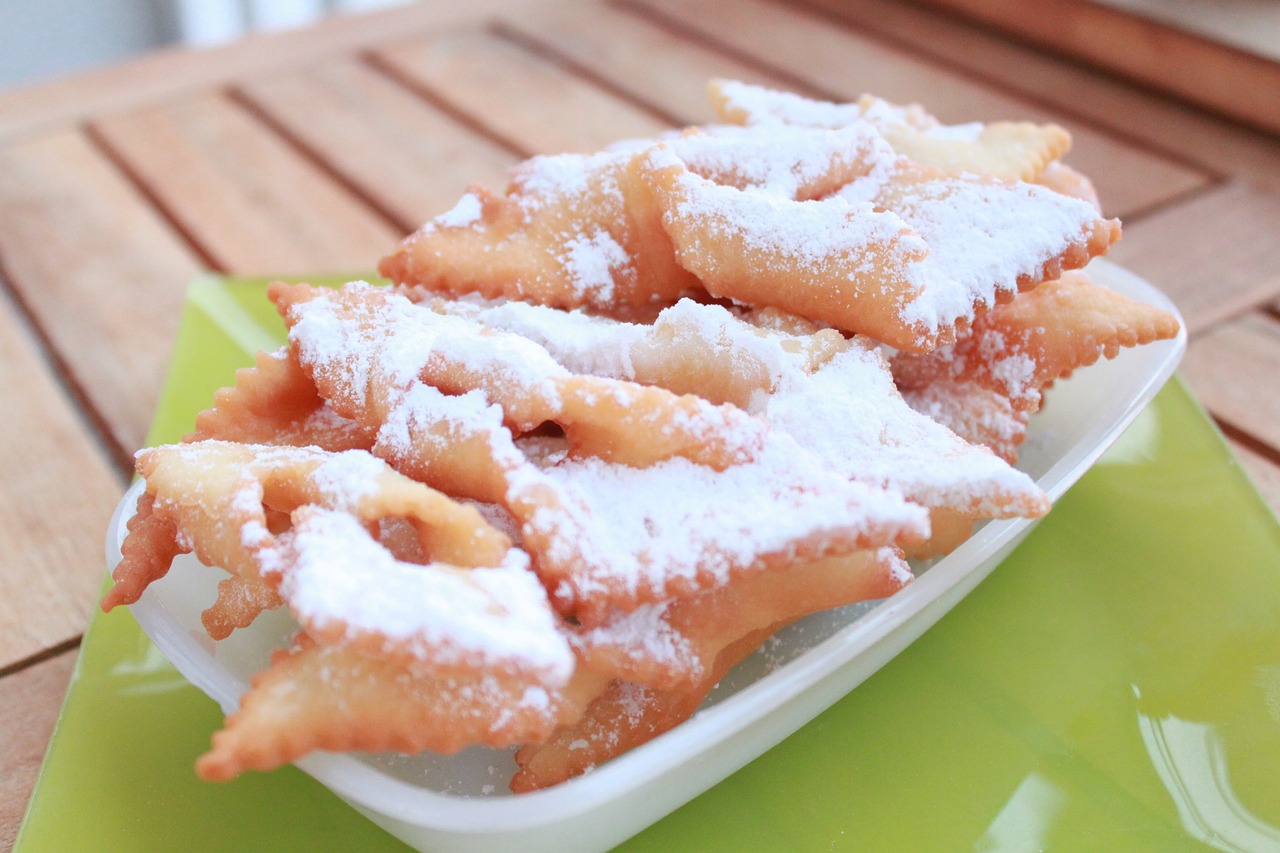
(906,254)
(674,645)
(623,716)
(275,402)
(367,348)
(836,397)
(227,501)
(986,385)
(708,492)
(570,230)
(720,629)
(1012,151)
(334,697)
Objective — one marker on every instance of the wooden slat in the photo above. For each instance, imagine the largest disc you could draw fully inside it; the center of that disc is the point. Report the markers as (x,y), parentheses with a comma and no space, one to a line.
(409,156)
(1215,255)
(249,200)
(1131,112)
(846,64)
(634,55)
(101,272)
(535,105)
(57,494)
(29,702)
(168,73)
(1233,370)
(1235,82)
(1263,471)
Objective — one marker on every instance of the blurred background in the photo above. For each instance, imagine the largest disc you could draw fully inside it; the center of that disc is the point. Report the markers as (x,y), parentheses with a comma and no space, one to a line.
(40,39)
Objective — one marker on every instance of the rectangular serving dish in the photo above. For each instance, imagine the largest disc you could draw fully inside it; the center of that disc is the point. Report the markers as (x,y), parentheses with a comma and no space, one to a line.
(461,802)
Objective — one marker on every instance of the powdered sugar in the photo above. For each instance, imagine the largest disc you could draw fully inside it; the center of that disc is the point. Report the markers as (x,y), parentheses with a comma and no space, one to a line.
(548,179)
(849,413)
(677,524)
(982,237)
(643,634)
(808,234)
(339,574)
(348,478)
(593,261)
(466,212)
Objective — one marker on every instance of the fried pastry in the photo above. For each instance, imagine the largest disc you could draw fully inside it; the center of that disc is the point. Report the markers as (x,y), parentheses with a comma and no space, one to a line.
(275,402)
(835,397)
(570,230)
(1013,151)
(333,697)
(906,254)
(850,215)
(614,428)
(986,385)
(677,642)
(624,509)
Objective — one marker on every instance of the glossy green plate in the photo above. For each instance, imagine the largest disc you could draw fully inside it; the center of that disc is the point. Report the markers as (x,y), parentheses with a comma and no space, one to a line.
(1114,685)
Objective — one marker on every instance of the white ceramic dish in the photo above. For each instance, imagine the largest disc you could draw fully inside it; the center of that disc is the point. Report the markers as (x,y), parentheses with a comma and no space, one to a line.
(461,802)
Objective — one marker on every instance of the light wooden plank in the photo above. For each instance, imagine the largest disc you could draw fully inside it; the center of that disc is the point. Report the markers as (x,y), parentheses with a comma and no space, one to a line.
(846,64)
(411,157)
(166,74)
(244,194)
(1263,472)
(1233,370)
(56,497)
(1216,255)
(533,104)
(636,56)
(1237,83)
(1251,25)
(29,703)
(1131,112)
(101,272)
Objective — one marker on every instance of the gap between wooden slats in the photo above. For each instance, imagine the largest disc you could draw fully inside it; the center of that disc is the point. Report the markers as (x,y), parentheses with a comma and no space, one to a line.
(249,198)
(1231,80)
(100,273)
(1215,254)
(29,703)
(536,105)
(1233,370)
(1263,469)
(168,73)
(57,495)
(844,64)
(400,153)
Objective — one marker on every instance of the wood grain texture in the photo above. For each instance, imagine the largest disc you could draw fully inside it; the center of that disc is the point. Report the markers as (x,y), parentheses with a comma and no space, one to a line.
(1262,470)
(57,494)
(532,104)
(102,273)
(1235,82)
(846,64)
(1130,112)
(1233,370)
(29,703)
(637,57)
(408,157)
(247,197)
(1216,255)
(166,74)
(314,151)
(28,708)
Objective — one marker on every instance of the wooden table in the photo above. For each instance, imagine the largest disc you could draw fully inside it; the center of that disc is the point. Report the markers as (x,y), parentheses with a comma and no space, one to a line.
(315,150)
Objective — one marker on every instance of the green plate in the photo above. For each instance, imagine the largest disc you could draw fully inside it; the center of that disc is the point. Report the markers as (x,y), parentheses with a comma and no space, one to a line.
(1114,685)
